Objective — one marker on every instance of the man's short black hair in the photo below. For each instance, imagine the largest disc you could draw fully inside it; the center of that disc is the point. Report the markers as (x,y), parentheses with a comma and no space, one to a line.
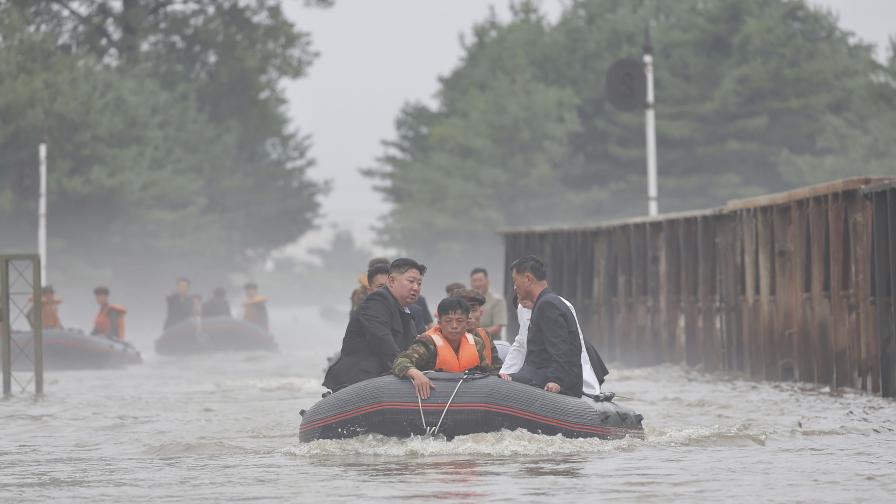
(183,279)
(451,305)
(402,265)
(479,270)
(530,264)
(219,292)
(251,285)
(47,289)
(376,269)
(101,290)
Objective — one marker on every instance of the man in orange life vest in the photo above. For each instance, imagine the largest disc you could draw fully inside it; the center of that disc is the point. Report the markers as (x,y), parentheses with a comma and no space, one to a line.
(476,300)
(446,347)
(110,320)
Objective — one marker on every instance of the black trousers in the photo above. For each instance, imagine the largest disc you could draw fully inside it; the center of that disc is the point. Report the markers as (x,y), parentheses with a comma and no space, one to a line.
(537,377)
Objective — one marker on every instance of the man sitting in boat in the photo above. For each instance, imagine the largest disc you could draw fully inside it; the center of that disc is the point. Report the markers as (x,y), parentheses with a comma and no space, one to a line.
(379,329)
(110,320)
(49,309)
(181,304)
(218,305)
(589,357)
(254,308)
(446,347)
(554,345)
(476,300)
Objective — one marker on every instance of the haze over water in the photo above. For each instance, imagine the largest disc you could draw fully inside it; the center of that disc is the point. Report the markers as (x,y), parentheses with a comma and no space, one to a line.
(224,428)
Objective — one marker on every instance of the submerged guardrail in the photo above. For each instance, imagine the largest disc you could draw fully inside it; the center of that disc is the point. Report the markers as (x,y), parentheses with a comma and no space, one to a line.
(790,286)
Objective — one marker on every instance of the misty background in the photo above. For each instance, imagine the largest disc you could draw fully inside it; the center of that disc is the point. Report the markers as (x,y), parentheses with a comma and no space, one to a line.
(229,141)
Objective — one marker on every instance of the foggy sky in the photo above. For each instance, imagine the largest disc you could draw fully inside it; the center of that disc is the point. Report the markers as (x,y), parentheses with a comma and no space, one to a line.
(377,55)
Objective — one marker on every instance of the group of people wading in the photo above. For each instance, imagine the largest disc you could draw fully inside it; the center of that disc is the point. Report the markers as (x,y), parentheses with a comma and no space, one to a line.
(384,335)
(183,305)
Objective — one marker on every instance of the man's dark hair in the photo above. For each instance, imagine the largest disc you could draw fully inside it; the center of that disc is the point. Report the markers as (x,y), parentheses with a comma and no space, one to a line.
(183,279)
(451,305)
(402,265)
(377,260)
(219,292)
(101,290)
(453,286)
(376,269)
(479,270)
(470,296)
(251,285)
(530,264)
(47,289)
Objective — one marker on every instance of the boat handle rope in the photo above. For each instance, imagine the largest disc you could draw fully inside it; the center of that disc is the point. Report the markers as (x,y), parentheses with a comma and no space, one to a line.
(433,431)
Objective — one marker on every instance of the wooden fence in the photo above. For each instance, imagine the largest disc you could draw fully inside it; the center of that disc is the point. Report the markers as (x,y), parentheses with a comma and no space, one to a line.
(792,286)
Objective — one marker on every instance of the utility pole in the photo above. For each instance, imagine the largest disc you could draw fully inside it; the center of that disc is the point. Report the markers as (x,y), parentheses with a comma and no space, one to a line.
(42,211)
(650,129)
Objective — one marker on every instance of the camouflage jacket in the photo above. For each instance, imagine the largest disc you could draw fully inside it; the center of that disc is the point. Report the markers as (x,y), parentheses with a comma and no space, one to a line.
(422,355)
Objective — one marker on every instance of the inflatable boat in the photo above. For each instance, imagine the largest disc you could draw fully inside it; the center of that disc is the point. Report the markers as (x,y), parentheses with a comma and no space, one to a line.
(72,349)
(462,404)
(213,334)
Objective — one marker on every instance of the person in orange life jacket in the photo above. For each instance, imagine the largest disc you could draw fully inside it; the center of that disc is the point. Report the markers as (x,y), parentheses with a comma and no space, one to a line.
(255,310)
(49,309)
(110,320)
(476,300)
(446,347)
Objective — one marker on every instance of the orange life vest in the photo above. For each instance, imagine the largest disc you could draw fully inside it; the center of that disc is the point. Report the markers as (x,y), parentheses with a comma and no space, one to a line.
(488,344)
(450,362)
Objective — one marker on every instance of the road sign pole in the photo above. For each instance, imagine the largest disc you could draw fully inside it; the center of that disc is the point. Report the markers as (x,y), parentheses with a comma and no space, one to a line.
(650,131)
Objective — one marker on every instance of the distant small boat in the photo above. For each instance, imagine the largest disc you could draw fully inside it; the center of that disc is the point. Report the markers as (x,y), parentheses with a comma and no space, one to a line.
(214,334)
(72,349)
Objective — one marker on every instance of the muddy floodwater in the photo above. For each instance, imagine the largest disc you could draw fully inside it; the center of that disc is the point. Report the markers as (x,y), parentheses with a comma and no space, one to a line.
(225,428)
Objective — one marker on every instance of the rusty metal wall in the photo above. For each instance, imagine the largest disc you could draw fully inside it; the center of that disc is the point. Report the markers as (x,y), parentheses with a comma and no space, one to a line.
(792,286)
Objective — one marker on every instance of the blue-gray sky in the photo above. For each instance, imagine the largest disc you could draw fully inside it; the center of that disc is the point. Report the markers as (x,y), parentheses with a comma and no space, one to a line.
(376,55)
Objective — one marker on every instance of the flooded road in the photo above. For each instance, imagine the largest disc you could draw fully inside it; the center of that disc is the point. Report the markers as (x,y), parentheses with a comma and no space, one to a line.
(225,428)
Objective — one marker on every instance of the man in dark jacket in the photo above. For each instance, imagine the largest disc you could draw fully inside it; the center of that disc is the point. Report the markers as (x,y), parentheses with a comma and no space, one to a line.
(181,305)
(379,329)
(554,350)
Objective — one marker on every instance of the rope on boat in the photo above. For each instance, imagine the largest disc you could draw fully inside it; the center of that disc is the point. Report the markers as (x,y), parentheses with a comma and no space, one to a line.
(433,431)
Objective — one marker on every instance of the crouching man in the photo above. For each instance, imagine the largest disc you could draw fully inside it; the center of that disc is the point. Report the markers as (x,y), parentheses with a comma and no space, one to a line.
(446,347)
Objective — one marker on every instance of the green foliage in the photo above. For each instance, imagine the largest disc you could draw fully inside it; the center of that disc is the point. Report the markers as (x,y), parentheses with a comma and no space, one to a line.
(753,96)
(169,141)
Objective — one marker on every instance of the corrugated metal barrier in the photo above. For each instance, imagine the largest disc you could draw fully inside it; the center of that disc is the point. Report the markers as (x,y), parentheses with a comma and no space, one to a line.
(791,286)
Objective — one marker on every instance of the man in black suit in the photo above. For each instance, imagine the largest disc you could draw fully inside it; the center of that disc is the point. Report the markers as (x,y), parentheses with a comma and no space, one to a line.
(554,349)
(380,329)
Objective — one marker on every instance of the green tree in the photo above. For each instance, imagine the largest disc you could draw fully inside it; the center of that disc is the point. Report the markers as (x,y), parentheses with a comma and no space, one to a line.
(169,140)
(750,95)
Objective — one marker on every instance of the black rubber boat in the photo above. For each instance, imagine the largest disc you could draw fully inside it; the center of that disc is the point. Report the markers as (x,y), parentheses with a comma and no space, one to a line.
(72,349)
(480,403)
(214,334)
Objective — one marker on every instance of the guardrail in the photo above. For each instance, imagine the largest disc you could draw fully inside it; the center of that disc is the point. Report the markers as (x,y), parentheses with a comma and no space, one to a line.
(791,286)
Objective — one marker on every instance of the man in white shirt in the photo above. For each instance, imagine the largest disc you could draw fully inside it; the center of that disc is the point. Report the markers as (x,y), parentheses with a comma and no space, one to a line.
(517,353)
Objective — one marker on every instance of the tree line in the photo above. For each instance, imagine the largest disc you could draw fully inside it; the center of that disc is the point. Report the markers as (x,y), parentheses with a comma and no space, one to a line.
(753,96)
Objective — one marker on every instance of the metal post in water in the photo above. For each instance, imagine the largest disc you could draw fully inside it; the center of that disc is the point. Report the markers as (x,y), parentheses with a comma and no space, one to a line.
(38,326)
(42,211)
(650,130)
(5,327)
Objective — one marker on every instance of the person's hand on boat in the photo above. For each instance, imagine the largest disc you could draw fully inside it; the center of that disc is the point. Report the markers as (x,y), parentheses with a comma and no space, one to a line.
(505,376)
(421,383)
(552,387)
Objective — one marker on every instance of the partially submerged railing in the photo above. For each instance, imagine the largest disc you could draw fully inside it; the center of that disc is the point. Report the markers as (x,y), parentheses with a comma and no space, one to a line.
(791,286)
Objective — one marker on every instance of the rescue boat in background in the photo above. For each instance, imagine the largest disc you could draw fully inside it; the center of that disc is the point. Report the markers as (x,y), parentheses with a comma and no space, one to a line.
(72,349)
(213,334)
